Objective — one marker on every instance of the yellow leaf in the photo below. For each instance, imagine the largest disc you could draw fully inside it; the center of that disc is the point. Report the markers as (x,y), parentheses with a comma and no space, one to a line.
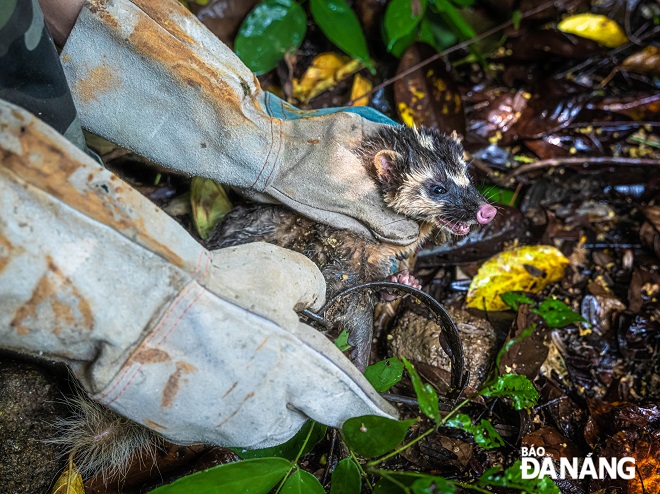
(326,70)
(209,204)
(595,27)
(70,482)
(406,115)
(529,269)
(361,85)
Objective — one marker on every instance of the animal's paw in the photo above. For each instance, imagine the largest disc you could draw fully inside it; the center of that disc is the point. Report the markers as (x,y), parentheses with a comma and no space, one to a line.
(405,278)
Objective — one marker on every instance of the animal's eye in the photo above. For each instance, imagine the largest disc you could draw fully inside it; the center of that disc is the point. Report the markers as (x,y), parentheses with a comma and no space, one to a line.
(437,190)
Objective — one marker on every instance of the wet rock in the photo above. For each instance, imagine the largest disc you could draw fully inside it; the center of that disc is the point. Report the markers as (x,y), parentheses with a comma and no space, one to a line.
(418,338)
(29,407)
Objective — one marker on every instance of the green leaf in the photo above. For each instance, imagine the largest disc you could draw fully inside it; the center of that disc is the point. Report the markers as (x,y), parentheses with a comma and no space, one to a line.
(292,447)
(271,29)
(384,374)
(426,395)
(340,24)
(460,421)
(434,31)
(396,484)
(346,478)
(507,346)
(302,482)
(498,194)
(372,436)
(516,17)
(557,314)
(400,21)
(518,388)
(256,476)
(425,34)
(490,475)
(512,299)
(484,434)
(433,485)
(512,478)
(453,17)
(400,45)
(342,341)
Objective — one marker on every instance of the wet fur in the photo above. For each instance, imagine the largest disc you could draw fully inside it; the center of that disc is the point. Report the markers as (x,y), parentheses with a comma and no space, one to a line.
(345,259)
(102,441)
(406,163)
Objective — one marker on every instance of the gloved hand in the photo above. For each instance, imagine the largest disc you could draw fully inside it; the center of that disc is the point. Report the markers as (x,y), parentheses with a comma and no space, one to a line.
(200,346)
(149,76)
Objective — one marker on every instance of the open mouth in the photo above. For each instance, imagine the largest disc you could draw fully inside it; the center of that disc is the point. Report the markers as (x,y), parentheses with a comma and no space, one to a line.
(457,227)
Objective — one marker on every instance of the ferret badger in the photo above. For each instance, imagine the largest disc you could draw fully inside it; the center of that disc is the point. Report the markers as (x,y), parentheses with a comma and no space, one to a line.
(422,175)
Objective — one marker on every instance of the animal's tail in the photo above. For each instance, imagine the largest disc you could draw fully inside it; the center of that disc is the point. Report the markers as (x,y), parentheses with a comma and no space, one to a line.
(354,313)
(102,441)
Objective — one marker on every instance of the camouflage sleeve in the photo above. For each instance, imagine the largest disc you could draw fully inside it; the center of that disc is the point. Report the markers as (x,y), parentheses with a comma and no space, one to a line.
(30,72)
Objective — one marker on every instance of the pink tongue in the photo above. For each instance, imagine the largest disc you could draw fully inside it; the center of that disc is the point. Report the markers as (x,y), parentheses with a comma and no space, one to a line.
(486,213)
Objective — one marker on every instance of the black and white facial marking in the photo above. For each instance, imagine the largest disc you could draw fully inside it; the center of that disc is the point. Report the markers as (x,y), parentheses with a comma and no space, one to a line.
(423,175)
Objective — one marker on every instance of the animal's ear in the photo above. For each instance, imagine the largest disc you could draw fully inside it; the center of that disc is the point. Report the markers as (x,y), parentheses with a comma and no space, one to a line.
(458,139)
(384,164)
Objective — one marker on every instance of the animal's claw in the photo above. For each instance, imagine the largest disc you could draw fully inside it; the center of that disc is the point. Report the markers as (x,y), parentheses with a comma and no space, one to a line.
(405,278)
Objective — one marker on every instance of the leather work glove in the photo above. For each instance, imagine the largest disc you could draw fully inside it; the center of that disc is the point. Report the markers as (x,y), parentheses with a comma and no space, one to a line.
(149,76)
(200,346)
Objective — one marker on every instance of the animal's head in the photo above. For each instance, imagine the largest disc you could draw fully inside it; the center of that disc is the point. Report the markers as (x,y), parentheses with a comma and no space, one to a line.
(423,176)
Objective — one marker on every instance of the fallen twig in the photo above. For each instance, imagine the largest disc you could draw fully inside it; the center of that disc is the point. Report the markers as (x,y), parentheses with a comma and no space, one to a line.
(600,160)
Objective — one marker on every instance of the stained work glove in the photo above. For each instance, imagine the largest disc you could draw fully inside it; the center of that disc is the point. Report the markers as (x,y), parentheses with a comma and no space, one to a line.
(149,76)
(200,346)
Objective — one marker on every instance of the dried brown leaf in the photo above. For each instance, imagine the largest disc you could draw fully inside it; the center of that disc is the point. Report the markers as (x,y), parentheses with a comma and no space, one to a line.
(646,61)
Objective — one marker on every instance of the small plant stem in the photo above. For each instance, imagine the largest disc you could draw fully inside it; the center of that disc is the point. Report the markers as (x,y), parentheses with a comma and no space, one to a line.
(456,409)
(362,472)
(418,438)
(515,194)
(471,487)
(399,450)
(385,475)
(279,487)
(302,448)
(294,464)
(645,141)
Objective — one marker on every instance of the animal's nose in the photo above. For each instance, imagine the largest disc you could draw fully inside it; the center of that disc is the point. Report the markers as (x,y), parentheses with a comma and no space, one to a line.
(486,213)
